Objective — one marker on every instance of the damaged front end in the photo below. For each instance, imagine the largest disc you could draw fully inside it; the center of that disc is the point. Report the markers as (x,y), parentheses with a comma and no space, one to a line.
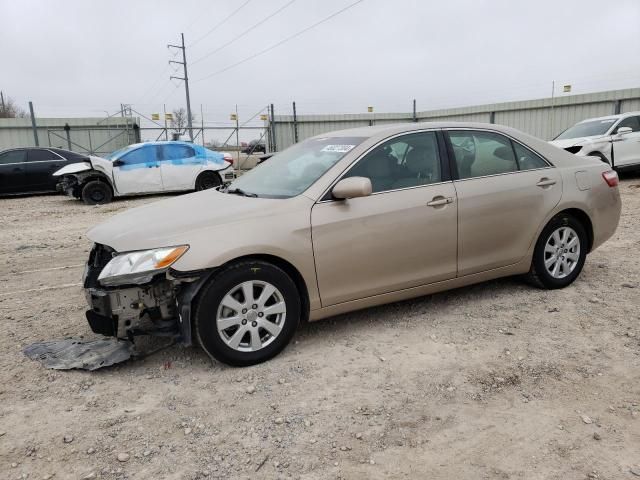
(125,302)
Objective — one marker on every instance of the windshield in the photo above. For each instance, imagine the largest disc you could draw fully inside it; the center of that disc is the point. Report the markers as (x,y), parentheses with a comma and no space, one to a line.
(587,129)
(293,170)
(117,153)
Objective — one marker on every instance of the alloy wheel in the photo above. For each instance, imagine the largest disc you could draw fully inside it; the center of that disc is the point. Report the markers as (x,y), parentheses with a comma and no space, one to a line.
(251,315)
(562,252)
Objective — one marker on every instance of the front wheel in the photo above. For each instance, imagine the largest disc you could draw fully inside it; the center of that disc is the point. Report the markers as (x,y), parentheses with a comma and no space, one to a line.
(560,253)
(247,313)
(207,180)
(96,192)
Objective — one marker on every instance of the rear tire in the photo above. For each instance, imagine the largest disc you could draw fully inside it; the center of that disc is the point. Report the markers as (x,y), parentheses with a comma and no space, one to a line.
(207,180)
(559,254)
(96,192)
(247,313)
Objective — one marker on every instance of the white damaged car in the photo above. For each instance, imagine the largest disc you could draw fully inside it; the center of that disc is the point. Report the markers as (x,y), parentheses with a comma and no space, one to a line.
(144,168)
(614,139)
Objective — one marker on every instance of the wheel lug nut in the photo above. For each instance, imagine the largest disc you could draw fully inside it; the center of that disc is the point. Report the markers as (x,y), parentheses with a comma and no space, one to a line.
(254,306)
(244,321)
(254,324)
(260,314)
(244,310)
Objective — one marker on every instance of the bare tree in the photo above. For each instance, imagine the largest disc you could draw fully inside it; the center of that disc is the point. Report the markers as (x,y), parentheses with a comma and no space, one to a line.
(9,109)
(179,122)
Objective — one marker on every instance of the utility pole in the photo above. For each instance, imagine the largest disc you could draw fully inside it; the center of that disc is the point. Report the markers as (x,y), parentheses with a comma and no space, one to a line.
(186,81)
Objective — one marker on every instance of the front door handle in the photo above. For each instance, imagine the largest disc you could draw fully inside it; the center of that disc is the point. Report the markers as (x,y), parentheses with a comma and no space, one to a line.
(439,201)
(546,182)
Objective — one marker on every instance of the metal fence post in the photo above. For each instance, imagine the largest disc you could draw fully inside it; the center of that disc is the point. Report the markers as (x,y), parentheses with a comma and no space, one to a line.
(273,131)
(415,116)
(295,124)
(617,107)
(67,130)
(33,124)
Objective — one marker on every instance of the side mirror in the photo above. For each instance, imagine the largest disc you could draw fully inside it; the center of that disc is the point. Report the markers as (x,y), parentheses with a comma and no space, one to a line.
(352,187)
(117,163)
(623,130)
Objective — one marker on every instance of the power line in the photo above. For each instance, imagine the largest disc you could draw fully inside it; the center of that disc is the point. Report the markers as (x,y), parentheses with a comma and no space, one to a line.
(261,52)
(243,33)
(220,23)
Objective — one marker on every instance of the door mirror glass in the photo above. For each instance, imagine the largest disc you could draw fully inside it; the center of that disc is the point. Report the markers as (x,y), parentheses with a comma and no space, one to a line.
(352,187)
(624,130)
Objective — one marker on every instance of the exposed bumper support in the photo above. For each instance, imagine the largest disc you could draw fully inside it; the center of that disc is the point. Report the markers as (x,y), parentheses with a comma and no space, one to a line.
(161,307)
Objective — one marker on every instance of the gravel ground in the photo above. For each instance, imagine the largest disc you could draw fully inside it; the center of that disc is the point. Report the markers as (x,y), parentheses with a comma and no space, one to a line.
(495,381)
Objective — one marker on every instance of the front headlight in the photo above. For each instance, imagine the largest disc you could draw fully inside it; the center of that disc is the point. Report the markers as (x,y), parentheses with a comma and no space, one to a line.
(139,267)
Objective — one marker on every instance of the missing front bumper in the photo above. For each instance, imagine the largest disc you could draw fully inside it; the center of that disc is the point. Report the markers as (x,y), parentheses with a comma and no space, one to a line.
(161,307)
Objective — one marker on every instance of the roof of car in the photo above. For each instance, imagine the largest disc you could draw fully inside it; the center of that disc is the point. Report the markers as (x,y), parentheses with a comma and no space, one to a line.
(611,117)
(164,142)
(390,129)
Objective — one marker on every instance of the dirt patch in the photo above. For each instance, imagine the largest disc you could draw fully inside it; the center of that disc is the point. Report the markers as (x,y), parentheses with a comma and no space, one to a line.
(491,381)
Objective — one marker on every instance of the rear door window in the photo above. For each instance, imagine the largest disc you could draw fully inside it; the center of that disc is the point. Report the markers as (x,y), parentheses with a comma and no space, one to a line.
(527,160)
(479,154)
(41,155)
(177,152)
(13,156)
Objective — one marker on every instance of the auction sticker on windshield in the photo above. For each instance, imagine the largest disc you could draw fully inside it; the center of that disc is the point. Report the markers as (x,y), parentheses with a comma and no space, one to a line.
(338,148)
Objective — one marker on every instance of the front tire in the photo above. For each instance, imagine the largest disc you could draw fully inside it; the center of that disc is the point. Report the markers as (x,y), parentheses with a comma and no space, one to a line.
(207,180)
(96,192)
(560,253)
(247,313)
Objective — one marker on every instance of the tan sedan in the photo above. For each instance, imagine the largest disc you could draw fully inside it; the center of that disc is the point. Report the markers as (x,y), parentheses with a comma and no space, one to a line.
(343,221)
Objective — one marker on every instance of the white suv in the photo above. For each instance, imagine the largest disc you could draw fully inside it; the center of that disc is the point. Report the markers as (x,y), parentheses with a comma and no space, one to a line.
(614,139)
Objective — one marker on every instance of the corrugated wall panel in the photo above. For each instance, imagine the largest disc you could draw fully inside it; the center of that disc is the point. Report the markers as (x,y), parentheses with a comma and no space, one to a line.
(536,117)
(87,134)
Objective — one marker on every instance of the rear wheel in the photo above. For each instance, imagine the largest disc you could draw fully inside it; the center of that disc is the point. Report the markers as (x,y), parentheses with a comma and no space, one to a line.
(560,253)
(96,192)
(247,313)
(207,180)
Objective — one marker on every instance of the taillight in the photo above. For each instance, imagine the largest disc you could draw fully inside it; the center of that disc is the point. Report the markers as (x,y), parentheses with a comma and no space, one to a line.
(611,177)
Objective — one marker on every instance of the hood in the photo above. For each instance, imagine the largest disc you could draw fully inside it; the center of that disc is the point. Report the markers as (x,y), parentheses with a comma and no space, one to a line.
(73,168)
(570,142)
(178,220)
(94,163)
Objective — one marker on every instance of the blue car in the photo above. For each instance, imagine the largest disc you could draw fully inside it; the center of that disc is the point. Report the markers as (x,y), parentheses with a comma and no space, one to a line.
(142,168)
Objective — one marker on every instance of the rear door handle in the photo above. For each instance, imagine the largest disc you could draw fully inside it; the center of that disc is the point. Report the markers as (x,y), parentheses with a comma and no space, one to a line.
(546,182)
(439,201)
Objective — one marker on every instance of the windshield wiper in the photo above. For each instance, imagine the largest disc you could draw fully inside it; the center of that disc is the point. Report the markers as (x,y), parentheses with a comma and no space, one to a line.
(239,191)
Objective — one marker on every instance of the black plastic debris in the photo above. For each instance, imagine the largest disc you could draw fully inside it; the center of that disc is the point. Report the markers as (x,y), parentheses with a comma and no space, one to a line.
(80,353)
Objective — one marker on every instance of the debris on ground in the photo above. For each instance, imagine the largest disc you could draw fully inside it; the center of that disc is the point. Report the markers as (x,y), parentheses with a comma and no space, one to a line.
(78,353)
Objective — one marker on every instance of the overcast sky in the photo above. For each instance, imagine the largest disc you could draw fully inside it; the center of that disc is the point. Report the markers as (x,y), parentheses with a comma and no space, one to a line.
(82,58)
